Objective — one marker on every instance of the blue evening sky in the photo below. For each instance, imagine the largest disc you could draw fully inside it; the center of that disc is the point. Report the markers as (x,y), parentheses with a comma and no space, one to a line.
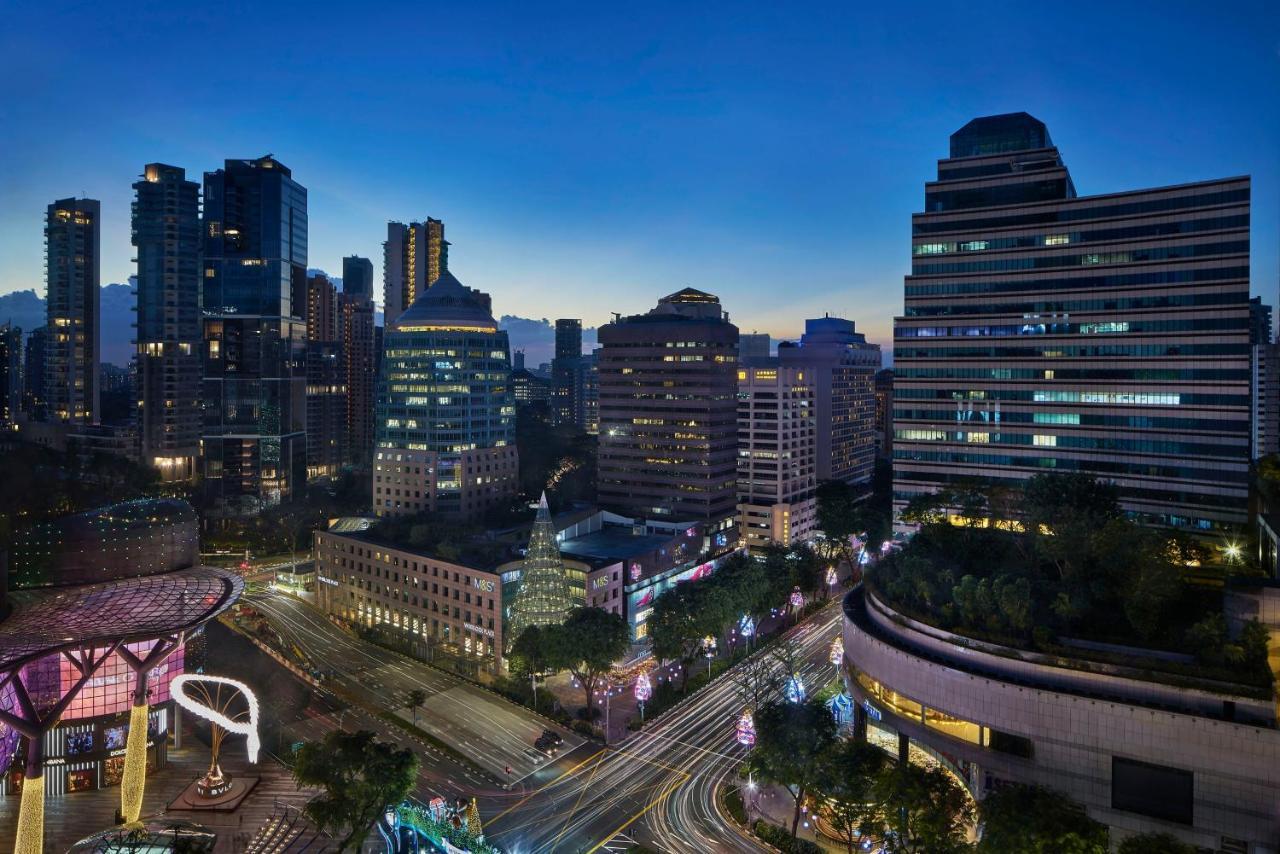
(592,157)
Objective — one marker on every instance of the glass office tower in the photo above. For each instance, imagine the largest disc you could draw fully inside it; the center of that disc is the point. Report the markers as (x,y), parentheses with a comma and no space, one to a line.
(1045,331)
(255,284)
(166,235)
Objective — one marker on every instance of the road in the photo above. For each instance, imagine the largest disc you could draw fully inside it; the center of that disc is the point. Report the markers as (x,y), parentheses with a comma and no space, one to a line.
(657,788)
(488,730)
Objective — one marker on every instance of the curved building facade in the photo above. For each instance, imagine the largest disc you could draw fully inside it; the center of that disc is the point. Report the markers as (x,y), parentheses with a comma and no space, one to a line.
(1199,762)
(445,412)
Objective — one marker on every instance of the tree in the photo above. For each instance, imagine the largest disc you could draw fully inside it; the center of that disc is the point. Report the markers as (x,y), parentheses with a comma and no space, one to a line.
(528,653)
(1036,820)
(846,774)
(915,810)
(674,628)
(756,680)
(791,742)
(587,644)
(414,700)
(1064,513)
(359,776)
(844,513)
(1155,843)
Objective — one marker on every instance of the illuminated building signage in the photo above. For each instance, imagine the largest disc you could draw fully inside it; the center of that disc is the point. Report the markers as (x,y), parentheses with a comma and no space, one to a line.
(599,581)
(482,584)
(872,711)
(478,629)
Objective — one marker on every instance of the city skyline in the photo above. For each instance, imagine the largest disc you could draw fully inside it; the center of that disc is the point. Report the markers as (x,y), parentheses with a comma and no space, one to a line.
(594,183)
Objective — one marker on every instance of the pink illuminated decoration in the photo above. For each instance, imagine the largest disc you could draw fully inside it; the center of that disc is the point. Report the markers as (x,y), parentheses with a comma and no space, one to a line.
(702,571)
(636,571)
(646,598)
(746,729)
(797,598)
(832,578)
(644,688)
(110,691)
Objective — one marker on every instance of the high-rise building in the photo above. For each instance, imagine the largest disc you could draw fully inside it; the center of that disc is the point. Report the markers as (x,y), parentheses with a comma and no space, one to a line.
(753,345)
(841,366)
(445,419)
(72,257)
(413,257)
(517,360)
(357,277)
(166,237)
(588,381)
(668,413)
(566,374)
(1101,334)
(255,290)
(884,413)
(10,376)
(777,454)
(530,389)
(33,373)
(358,336)
(1264,387)
(326,368)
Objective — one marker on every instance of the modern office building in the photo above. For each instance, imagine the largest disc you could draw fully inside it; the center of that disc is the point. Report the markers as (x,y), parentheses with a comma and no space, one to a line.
(589,382)
(33,373)
(1142,750)
(445,419)
(10,376)
(1104,334)
(884,413)
(413,257)
(777,454)
(166,238)
(326,370)
(73,303)
(841,366)
(255,291)
(1264,388)
(668,413)
(360,365)
(530,389)
(321,309)
(753,345)
(357,276)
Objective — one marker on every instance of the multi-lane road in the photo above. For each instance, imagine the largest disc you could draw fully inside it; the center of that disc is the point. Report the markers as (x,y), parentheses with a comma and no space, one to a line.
(656,787)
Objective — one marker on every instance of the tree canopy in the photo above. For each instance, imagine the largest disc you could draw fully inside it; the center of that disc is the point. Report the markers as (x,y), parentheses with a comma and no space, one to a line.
(359,776)
(1036,820)
(1155,843)
(792,741)
(915,810)
(586,644)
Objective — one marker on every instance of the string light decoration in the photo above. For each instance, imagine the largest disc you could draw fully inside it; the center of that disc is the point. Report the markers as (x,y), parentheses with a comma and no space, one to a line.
(837,651)
(543,598)
(644,688)
(216,709)
(795,690)
(747,626)
(797,598)
(133,781)
(832,578)
(30,838)
(746,733)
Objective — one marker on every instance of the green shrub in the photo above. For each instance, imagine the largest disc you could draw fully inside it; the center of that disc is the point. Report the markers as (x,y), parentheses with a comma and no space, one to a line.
(733,804)
(781,839)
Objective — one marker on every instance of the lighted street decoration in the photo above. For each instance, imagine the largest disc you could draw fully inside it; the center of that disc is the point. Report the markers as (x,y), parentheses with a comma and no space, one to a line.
(797,598)
(794,690)
(832,578)
(214,707)
(746,730)
(837,651)
(643,690)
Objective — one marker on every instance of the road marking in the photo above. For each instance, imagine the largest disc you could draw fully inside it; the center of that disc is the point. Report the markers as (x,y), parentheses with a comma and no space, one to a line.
(547,785)
(662,797)
(582,794)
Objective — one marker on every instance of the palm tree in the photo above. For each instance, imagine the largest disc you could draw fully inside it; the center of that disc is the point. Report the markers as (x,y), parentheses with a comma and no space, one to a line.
(413,700)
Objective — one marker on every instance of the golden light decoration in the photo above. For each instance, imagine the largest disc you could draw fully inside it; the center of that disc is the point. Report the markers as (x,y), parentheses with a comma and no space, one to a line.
(30,838)
(134,780)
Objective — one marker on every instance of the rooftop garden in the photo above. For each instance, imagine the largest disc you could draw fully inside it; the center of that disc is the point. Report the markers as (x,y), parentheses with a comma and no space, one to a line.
(1069,567)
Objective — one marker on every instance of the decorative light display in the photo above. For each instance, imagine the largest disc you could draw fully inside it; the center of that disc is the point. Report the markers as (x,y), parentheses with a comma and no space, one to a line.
(543,598)
(794,690)
(644,688)
(747,626)
(837,651)
(30,838)
(133,781)
(746,734)
(832,578)
(797,598)
(178,690)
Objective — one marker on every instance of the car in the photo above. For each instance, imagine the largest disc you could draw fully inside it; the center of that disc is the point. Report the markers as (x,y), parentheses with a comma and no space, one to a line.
(546,745)
(553,736)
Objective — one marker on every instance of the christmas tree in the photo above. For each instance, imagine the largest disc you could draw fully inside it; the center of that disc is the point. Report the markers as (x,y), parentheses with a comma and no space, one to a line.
(473,820)
(543,598)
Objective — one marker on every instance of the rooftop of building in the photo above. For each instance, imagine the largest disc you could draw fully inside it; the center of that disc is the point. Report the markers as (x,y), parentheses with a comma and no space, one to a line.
(448,303)
(611,544)
(1000,134)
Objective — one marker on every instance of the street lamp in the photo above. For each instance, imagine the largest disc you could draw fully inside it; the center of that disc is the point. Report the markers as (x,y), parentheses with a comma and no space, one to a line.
(608,695)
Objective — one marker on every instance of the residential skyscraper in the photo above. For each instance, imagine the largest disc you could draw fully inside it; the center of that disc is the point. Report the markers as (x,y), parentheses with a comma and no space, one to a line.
(166,237)
(358,336)
(326,368)
(413,257)
(566,374)
(33,373)
(357,276)
(668,413)
(445,419)
(777,453)
(841,366)
(10,376)
(1101,334)
(72,350)
(884,413)
(255,287)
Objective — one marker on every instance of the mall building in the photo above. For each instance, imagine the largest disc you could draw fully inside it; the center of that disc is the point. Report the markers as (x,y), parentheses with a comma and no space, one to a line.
(1193,758)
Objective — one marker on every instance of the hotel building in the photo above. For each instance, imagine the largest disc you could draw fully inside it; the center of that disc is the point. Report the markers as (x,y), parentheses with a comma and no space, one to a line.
(413,257)
(1045,331)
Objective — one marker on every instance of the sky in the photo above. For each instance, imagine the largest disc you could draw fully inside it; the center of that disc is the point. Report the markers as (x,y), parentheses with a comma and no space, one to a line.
(590,158)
